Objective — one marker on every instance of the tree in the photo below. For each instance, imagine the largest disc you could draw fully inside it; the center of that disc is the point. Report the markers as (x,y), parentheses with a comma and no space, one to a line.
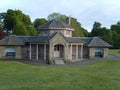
(20,29)
(96,28)
(2,15)
(19,23)
(116,34)
(77,28)
(38,22)
(57,16)
(2,34)
(102,32)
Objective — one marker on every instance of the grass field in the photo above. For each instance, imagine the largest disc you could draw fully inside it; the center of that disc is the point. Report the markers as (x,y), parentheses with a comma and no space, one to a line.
(104,75)
(115,52)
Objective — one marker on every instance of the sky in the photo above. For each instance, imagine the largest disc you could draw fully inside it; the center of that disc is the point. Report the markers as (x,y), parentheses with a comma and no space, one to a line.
(107,12)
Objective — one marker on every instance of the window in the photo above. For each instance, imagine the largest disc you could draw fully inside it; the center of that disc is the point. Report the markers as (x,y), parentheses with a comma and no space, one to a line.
(67,33)
(10,52)
(56,48)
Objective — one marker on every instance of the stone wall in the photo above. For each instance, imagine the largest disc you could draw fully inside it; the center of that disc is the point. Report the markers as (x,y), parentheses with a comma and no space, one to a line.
(91,53)
(106,51)
(2,51)
(18,52)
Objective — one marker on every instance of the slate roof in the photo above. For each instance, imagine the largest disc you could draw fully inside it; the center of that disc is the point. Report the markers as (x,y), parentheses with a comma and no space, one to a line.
(74,40)
(55,24)
(34,39)
(97,42)
(11,40)
(21,40)
(89,41)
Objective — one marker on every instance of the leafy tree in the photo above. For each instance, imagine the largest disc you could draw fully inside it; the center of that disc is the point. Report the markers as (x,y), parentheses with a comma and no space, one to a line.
(102,32)
(116,34)
(38,22)
(96,29)
(2,15)
(57,16)
(19,23)
(20,29)
(77,28)
(31,30)
(2,34)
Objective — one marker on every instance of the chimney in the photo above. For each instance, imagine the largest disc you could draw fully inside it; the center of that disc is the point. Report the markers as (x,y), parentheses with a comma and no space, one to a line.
(68,20)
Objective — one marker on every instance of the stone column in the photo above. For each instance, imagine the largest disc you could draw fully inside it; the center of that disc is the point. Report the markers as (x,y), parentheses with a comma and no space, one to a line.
(91,53)
(71,52)
(105,54)
(30,52)
(81,56)
(76,52)
(36,52)
(44,52)
(66,52)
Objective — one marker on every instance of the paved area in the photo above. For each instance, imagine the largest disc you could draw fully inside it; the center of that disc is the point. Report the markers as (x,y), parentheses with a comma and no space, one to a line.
(79,63)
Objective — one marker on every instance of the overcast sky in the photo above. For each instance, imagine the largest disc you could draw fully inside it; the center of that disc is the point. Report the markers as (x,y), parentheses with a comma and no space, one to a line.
(106,12)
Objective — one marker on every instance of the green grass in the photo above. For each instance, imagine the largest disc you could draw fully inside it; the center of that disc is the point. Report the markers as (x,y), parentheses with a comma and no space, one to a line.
(104,75)
(115,52)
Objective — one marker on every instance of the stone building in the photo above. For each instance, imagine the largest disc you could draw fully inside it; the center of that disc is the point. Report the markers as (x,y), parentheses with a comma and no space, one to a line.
(55,42)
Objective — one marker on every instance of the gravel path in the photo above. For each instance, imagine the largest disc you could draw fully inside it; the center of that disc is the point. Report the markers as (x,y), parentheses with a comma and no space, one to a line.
(79,63)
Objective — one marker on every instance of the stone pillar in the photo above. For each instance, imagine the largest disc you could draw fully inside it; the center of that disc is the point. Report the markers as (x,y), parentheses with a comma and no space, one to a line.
(71,51)
(105,54)
(36,52)
(2,52)
(66,52)
(30,52)
(76,52)
(81,56)
(18,52)
(91,53)
(51,51)
(44,52)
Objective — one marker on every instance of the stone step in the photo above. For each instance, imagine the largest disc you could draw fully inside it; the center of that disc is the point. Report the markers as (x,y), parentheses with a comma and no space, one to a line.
(59,62)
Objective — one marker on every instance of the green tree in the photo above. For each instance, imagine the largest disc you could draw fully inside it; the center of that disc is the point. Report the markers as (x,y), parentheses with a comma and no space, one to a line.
(14,19)
(102,32)
(96,29)
(57,16)
(77,28)
(38,22)
(20,29)
(116,34)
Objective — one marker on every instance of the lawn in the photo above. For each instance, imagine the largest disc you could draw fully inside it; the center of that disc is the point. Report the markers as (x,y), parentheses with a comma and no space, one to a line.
(104,75)
(115,52)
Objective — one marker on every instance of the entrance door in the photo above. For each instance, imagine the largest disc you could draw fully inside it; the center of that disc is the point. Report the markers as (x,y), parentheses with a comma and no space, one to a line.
(56,51)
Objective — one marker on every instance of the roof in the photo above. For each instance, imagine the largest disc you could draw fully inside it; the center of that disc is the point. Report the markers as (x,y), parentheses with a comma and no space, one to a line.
(89,41)
(11,40)
(74,40)
(34,39)
(97,42)
(55,24)
(21,40)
